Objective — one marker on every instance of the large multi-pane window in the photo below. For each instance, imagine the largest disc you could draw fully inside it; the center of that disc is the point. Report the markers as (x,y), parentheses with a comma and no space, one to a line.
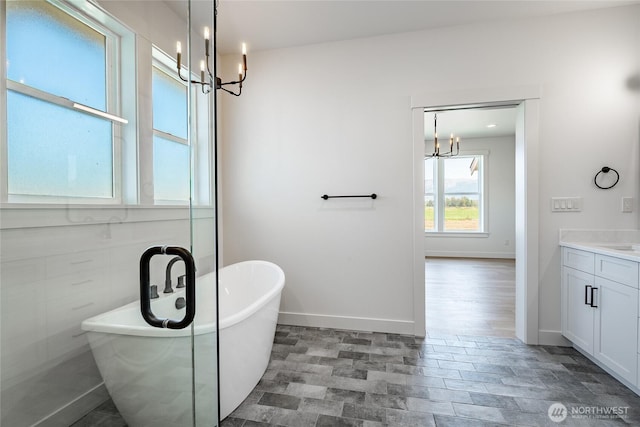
(454,194)
(61,102)
(74,110)
(170,137)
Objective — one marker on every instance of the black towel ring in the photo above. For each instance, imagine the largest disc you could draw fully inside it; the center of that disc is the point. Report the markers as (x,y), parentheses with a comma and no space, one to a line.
(606,169)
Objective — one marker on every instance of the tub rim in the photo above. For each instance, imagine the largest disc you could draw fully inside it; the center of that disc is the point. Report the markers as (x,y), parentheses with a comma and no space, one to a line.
(97,323)
(260,302)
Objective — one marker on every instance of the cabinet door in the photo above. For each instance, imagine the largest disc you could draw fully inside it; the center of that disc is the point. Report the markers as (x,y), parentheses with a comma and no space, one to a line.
(616,327)
(577,317)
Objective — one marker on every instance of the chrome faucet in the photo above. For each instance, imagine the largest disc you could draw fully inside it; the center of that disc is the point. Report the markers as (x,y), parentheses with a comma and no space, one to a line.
(167,281)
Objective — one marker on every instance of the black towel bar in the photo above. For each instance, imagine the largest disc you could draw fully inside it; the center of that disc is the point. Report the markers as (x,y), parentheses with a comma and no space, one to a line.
(373,196)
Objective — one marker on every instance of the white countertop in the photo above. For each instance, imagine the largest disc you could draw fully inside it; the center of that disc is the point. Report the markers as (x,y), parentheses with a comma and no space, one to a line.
(629,251)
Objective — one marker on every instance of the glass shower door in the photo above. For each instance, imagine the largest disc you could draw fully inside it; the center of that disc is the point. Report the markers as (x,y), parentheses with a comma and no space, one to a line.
(90,178)
(193,374)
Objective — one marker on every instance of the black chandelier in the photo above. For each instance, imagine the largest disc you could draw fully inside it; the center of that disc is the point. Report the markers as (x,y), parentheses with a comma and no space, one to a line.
(436,144)
(207,78)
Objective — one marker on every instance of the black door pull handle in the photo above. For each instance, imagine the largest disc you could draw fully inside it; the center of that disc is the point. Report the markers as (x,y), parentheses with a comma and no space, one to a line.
(145,287)
(586,294)
(592,298)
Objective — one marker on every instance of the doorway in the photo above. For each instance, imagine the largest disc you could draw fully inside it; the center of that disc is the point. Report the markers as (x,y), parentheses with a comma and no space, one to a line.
(470,221)
(470,296)
(526,163)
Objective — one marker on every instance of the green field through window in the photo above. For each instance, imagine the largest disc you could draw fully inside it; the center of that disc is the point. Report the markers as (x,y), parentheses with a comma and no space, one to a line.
(455,218)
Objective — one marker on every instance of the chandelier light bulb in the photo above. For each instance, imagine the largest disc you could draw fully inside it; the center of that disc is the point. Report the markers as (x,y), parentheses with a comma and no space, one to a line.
(244,56)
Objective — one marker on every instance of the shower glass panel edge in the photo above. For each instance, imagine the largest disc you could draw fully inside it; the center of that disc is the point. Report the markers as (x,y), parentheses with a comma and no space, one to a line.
(204,227)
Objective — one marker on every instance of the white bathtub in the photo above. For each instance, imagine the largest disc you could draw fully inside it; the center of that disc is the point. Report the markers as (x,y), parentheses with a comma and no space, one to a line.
(148,370)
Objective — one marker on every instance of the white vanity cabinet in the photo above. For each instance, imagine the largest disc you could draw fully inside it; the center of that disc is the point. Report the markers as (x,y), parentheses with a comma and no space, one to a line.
(600,309)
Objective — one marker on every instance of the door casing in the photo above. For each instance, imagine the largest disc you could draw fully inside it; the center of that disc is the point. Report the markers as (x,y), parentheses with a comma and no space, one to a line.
(527,99)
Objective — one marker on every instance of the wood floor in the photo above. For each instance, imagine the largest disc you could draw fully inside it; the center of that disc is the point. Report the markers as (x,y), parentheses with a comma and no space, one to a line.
(467,296)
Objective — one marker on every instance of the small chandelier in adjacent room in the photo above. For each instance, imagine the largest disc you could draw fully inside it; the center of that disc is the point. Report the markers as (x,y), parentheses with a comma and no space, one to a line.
(436,144)
(206,76)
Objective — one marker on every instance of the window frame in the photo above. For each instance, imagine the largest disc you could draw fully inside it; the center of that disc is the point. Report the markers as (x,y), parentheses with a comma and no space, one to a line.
(199,131)
(132,70)
(439,196)
(88,14)
(165,64)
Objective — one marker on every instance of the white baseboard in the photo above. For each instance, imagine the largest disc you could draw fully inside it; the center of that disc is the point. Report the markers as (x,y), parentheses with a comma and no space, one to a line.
(347,322)
(470,254)
(406,327)
(76,409)
(546,337)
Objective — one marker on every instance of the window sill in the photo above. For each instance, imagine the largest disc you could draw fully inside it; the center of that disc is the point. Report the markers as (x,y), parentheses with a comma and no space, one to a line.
(454,234)
(26,215)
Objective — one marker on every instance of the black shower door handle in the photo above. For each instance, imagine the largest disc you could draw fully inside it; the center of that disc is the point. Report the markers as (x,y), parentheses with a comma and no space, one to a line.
(145,287)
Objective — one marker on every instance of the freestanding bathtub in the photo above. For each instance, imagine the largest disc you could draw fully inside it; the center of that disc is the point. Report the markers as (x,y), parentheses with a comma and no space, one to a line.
(148,371)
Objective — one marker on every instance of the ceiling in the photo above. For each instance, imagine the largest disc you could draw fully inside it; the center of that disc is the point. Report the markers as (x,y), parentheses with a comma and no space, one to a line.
(273,24)
(471,123)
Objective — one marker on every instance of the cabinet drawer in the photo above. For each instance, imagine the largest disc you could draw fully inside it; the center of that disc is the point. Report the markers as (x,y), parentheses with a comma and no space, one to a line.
(580,260)
(616,269)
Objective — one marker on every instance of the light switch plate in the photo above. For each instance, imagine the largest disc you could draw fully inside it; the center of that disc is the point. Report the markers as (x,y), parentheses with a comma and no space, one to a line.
(566,204)
(627,204)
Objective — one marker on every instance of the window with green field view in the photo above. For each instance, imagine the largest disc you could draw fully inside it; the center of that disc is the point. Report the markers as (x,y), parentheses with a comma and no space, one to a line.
(453,198)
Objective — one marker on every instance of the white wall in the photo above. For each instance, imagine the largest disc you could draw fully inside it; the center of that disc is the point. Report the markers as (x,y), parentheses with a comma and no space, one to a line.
(334,118)
(500,200)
